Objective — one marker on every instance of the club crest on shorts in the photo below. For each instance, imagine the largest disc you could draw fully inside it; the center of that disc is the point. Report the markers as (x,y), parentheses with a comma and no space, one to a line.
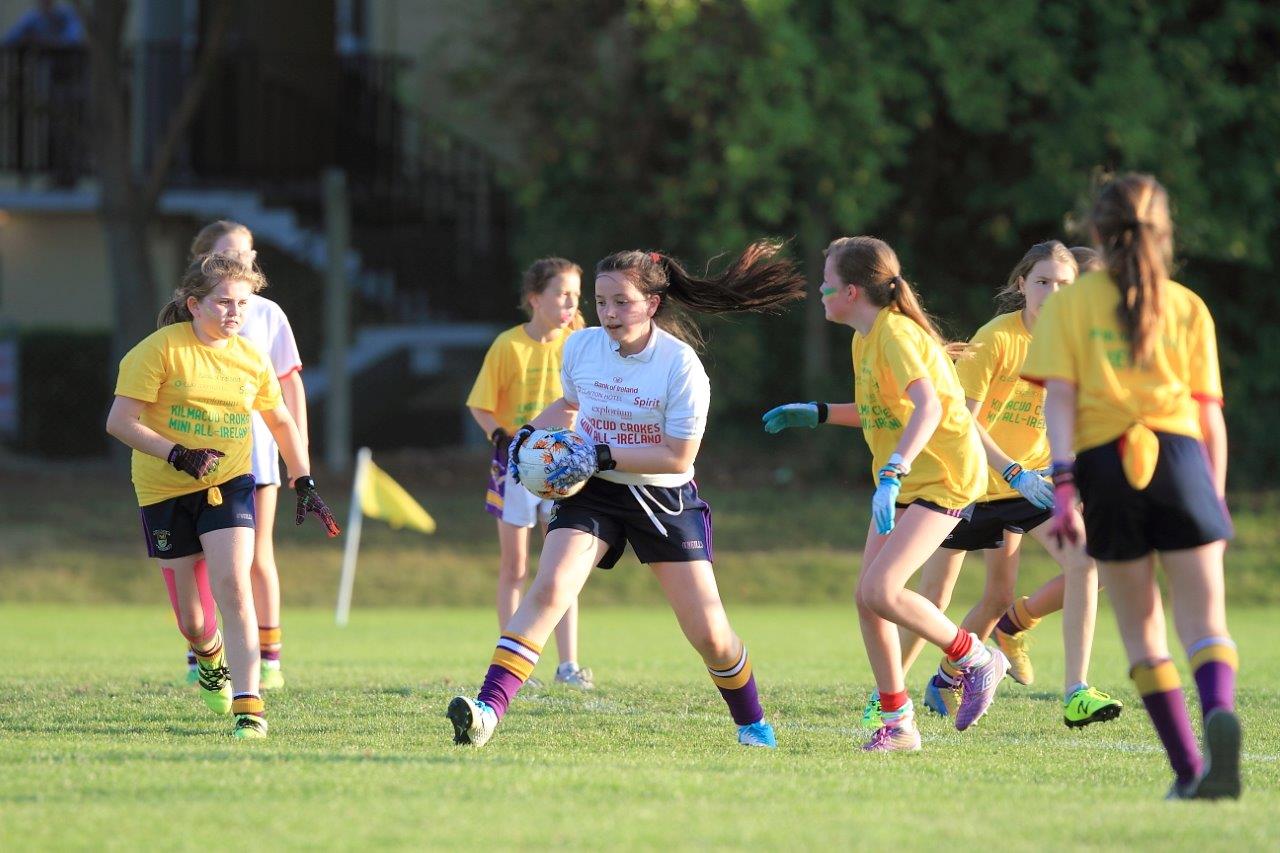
(162,539)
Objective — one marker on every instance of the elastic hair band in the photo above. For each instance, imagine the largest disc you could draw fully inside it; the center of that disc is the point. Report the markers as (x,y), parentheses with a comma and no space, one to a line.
(655,257)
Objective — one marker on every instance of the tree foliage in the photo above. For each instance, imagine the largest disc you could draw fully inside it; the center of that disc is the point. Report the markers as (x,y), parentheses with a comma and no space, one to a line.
(959,131)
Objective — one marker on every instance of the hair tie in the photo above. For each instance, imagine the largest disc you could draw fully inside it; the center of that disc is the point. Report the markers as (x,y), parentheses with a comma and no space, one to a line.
(655,257)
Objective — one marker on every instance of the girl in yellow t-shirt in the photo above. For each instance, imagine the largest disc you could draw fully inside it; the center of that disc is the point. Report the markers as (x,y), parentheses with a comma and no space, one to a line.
(196,380)
(519,378)
(929,467)
(1134,408)
(1010,417)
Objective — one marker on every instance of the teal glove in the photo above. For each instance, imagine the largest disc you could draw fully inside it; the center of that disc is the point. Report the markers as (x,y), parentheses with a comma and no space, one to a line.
(884,501)
(1030,484)
(794,415)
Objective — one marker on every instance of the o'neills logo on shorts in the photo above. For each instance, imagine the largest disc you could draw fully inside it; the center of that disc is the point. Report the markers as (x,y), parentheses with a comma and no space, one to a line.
(162,539)
(692,544)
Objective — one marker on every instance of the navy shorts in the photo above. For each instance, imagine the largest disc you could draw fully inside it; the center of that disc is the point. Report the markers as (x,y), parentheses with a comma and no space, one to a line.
(663,525)
(172,528)
(964,513)
(992,519)
(1178,510)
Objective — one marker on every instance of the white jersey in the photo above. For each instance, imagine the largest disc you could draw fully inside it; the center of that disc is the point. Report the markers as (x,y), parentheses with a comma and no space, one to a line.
(267,327)
(636,400)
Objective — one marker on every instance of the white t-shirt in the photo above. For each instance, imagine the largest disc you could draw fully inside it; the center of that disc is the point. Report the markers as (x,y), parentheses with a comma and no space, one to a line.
(636,400)
(267,327)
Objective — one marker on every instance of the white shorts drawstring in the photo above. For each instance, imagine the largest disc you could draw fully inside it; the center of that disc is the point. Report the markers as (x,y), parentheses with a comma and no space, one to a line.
(640,493)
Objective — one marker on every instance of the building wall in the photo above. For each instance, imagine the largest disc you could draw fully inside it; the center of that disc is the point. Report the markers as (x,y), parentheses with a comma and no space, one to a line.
(54,273)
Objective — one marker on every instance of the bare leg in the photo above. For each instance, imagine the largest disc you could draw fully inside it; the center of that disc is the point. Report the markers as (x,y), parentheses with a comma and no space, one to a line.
(568,556)
(884,601)
(937,581)
(229,556)
(265,575)
(997,593)
(1079,604)
(513,569)
(188,602)
(1198,593)
(567,628)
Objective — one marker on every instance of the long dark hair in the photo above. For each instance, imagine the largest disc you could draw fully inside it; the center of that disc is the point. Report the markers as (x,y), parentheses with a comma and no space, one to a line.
(1011,297)
(1131,217)
(757,281)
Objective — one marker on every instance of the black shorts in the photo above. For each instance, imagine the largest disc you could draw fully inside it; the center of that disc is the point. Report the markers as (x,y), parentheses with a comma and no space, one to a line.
(675,529)
(172,528)
(1178,510)
(992,519)
(964,513)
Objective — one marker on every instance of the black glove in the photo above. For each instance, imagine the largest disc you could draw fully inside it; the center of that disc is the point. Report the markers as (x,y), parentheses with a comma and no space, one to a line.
(513,449)
(198,463)
(309,501)
(500,439)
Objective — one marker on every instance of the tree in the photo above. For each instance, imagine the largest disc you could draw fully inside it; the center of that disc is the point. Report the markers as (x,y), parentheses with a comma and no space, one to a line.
(130,191)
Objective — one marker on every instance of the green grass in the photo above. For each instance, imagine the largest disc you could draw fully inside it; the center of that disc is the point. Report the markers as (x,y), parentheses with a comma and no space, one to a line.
(101,749)
(73,536)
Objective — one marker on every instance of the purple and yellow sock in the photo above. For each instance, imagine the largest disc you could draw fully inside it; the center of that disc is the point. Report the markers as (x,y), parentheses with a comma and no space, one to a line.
(248,703)
(209,655)
(737,684)
(269,641)
(947,676)
(1161,691)
(512,664)
(1214,663)
(1017,618)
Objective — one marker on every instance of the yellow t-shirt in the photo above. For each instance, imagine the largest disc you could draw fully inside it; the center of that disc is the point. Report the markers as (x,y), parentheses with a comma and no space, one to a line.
(951,471)
(1012,410)
(1078,339)
(198,396)
(519,378)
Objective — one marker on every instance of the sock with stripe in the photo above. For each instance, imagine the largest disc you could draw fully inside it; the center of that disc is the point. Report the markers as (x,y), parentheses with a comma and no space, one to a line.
(896,709)
(249,705)
(191,659)
(966,651)
(269,640)
(512,664)
(737,684)
(1017,618)
(209,654)
(1214,663)
(1161,691)
(947,675)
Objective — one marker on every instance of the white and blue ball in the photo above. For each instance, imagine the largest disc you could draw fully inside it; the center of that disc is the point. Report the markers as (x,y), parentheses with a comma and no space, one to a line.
(541,452)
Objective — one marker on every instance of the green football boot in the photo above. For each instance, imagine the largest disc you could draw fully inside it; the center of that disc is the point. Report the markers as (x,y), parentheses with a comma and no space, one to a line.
(1089,705)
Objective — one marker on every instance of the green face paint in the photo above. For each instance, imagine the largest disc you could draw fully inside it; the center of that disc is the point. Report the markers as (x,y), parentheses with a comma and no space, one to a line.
(828,290)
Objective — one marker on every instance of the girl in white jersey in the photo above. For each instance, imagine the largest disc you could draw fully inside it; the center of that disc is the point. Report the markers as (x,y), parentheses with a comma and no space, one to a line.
(635,388)
(266,325)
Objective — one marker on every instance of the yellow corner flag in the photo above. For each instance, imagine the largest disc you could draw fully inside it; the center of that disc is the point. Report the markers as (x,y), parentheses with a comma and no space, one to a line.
(384,498)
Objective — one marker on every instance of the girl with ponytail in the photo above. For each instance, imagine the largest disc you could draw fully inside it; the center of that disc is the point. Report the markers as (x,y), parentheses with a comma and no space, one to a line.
(634,388)
(197,380)
(1010,417)
(1129,362)
(929,467)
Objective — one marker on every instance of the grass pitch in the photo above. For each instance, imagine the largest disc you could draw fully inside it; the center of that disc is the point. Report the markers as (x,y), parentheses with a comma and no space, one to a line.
(102,749)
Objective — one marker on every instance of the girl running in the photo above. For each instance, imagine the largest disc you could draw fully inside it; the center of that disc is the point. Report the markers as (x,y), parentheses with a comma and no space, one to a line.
(521,377)
(1134,407)
(266,325)
(930,468)
(195,379)
(635,388)
(1010,418)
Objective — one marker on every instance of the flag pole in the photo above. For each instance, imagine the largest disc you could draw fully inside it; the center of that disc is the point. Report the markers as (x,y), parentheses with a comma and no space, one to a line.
(355,518)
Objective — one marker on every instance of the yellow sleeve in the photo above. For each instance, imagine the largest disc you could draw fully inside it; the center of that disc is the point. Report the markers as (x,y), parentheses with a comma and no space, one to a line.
(1205,379)
(484,393)
(977,371)
(1051,355)
(269,396)
(904,357)
(142,372)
